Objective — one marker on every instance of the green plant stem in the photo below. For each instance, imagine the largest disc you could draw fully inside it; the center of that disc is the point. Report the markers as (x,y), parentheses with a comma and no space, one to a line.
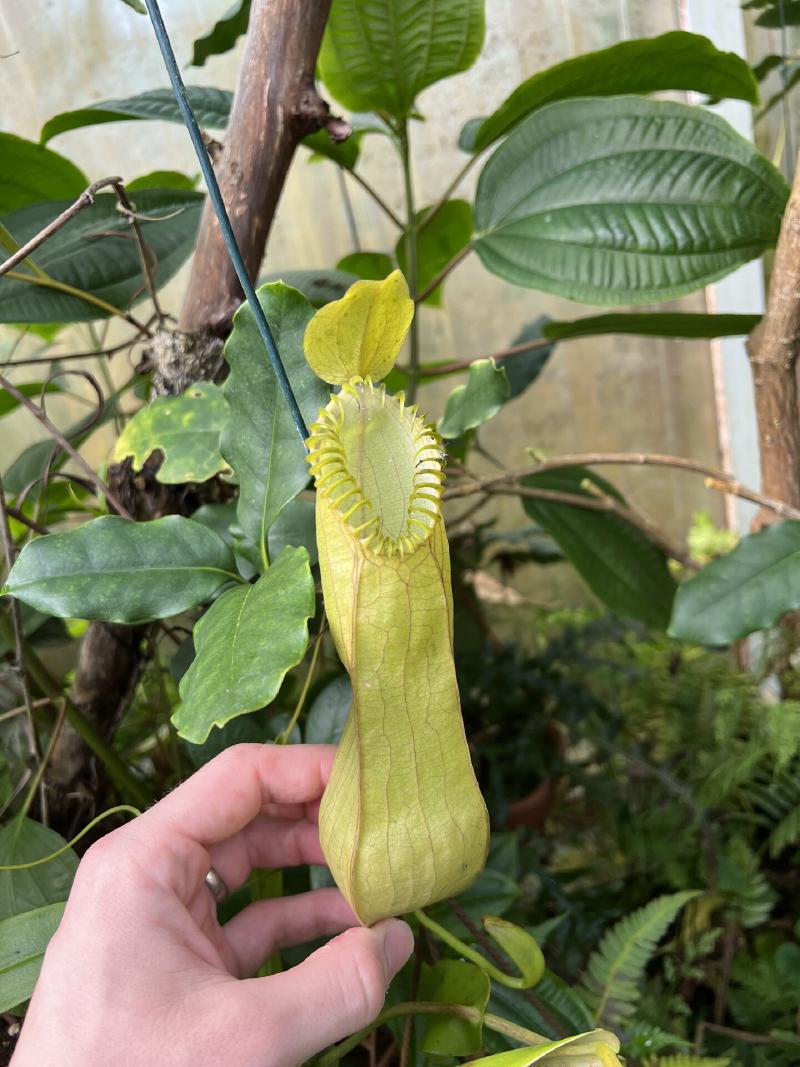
(509,980)
(127,808)
(410,239)
(129,787)
(284,735)
(451,188)
(443,273)
(421,1007)
(368,189)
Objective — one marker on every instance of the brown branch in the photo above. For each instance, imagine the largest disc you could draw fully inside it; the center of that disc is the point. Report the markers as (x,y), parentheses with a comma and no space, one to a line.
(93,354)
(715,479)
(84,200)
(275,106)
(127,209)
(465,364)
(38,412)
(773,348)
(459,257)
(10,552)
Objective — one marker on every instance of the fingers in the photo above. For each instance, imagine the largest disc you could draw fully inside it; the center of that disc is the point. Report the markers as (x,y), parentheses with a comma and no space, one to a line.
(271,924)
(337,990)
(239,784)
(266,842)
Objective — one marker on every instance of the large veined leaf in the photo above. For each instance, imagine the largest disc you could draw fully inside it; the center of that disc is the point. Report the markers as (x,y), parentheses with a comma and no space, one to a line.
(676,60)
(619,564)
(246,642)
(613,981)
(689,324)
(453,982)
(95,252)
(478,400)
(185,428)
(31,174)
(259,439)
(581,1050)
(437,243)
(23,840)
(624,200)
(23,940)
(211,106)
(378,54)
(223,35)
(746,590)
(121,571)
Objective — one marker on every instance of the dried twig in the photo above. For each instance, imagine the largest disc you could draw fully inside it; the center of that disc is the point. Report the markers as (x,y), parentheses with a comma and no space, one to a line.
(715,479)
(38,412)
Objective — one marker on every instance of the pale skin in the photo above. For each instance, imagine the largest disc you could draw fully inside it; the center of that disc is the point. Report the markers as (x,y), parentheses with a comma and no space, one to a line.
(140,972)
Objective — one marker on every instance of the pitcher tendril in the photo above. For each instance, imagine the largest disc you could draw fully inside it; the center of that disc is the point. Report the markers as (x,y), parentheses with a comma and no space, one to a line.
(402,822)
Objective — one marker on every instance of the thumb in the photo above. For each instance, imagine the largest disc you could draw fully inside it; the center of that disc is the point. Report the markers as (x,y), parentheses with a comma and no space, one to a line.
(337,990)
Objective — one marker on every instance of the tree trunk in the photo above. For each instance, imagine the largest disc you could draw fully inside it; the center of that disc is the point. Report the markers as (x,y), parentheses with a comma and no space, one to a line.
(773,351)
(275,106)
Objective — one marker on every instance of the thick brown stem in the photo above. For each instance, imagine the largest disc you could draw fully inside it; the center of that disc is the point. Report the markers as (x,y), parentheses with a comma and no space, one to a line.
(275,106)
(773,349)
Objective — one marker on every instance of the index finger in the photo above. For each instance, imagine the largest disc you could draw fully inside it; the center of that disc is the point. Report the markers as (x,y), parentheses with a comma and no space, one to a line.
(229,792)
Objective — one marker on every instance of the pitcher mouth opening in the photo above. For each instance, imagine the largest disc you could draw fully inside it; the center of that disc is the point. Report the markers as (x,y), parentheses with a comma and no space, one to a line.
(379,465)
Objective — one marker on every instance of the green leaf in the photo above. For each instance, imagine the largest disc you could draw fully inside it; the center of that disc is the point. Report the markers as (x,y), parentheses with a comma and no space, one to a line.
(120,571)
(162,179)
(437,243)
(615,971)
(21,841)
(453,982)
(23,940)
(619,564)
(31,174)
(259,440)
(95,253)
(246,642)
(371,266)
(8,403)
(136,5)
(746,590)
(319,287)
(523,368)
(743,886)
(377,56)
(211,107)
(328,713)
(676,60)
(477,401)
(581,1051)
(185,428)
(655,324)
(223,35)
(520,947)
(343,153)
(624,201)
(780,14)
(295,526)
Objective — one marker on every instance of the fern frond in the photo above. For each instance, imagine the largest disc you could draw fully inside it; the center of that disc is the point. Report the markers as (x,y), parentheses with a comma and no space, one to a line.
(786,833)
(615,970)
(747,893)
(645,1039)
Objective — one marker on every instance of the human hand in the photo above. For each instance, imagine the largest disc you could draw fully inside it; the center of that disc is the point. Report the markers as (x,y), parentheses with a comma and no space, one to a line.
(140,972)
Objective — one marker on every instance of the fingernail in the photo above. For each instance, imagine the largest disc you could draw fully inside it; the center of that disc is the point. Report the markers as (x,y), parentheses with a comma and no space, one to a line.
(398,944)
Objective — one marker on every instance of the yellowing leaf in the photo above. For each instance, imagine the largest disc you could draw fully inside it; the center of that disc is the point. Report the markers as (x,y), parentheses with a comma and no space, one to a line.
(361,334)
(597,1048)
(402,821)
